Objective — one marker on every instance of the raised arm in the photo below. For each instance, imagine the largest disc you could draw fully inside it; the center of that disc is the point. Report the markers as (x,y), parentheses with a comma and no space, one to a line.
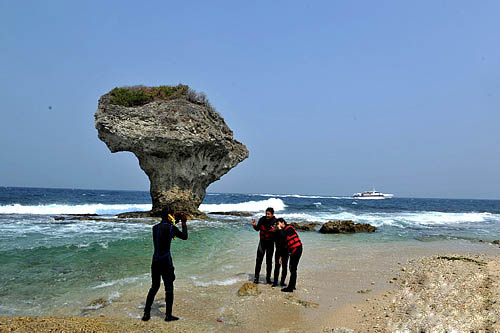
(255,226)
(184,233)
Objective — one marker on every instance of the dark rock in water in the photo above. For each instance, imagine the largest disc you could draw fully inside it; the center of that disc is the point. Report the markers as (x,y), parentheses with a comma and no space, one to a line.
(345,227)
(305,227)
(94,305)
(181,142)
(94,217)
(82,214)
(134,215)
(249,289)
(244,214)
(496,242)
(98,302)
(78,216)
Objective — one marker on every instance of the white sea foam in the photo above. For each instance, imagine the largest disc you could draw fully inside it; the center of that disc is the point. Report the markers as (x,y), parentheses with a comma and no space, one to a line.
(121,282)
(113,296)
(249,206)
(300,196)
(427,218)
(226,282)
(401,219)
(73,209)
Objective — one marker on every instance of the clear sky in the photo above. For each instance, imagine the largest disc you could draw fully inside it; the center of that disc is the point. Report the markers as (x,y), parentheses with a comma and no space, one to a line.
(330,97)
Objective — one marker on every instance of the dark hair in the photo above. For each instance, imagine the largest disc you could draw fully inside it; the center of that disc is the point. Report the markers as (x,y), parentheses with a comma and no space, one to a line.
(281,220)
(167,210)
(270,209)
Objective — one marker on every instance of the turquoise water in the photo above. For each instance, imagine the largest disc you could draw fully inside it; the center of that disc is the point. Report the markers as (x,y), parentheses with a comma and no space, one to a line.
(59,266)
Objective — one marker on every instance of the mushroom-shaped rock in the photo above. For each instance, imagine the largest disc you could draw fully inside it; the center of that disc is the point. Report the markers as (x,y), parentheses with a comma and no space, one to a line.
(181,142)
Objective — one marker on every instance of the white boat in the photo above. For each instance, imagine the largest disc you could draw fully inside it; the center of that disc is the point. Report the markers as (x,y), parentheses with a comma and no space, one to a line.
(373,194)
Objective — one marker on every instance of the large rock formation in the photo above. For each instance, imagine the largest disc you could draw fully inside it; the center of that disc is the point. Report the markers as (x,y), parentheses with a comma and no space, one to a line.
(181,142)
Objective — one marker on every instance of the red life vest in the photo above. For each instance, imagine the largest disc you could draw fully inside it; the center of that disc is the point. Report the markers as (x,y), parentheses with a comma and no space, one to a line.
(266,228)
(266,233)
(292,240)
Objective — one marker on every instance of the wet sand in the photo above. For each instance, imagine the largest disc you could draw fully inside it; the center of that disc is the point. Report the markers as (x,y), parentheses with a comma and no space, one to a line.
(367,287)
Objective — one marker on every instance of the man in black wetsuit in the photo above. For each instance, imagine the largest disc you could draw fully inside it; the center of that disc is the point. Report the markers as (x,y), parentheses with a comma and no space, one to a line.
(294,247)
(162,266)
(266,244)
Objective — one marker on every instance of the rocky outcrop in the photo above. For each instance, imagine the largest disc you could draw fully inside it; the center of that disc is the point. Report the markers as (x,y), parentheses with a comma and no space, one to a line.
(305,227)
(345,227)
(181,142)
(249,289)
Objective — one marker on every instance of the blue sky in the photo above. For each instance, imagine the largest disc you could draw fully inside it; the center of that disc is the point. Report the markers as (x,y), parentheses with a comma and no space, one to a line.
(330,97)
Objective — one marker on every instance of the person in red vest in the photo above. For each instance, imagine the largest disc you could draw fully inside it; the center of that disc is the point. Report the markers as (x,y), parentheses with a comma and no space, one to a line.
(294,246)
(266,243)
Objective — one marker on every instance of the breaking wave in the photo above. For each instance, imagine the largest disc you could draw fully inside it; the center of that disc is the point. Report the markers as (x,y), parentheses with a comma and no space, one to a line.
(301,196)
(226,282)
(401,219)
(249,206)
(100,209)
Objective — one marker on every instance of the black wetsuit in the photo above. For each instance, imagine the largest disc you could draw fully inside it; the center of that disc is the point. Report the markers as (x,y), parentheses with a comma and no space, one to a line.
(266,246)
(162,266)
(281,252)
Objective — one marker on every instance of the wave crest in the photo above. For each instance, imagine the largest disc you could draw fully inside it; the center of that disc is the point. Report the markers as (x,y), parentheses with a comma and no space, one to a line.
(249,206)
(52,209)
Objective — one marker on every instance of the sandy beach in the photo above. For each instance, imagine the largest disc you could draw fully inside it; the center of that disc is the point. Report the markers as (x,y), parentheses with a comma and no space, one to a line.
(378,287)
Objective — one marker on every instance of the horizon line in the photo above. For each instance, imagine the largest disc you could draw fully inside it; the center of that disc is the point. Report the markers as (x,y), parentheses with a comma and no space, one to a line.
(347,197)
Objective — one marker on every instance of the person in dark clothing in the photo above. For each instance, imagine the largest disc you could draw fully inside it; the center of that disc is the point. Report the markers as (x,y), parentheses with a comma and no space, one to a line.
(280,257)
(162,266)
(294,247)
(266,244)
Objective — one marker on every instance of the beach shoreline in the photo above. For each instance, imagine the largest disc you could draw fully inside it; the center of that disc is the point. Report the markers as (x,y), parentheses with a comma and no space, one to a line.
(353,287)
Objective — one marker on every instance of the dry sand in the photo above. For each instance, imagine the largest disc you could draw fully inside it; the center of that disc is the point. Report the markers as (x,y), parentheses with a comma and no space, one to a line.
(371,288)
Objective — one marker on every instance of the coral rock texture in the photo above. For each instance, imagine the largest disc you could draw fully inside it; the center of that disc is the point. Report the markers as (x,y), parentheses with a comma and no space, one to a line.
(181,145)
(345,227)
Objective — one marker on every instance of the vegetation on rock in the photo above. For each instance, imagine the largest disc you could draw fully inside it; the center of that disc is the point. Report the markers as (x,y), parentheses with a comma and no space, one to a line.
(141,95)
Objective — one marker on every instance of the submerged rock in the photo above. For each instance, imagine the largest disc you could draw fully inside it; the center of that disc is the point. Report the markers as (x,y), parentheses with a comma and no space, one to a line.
(139,215)
(345,227)
(243,214)
(95,305)
(305,227)
(249,289)
(181,142)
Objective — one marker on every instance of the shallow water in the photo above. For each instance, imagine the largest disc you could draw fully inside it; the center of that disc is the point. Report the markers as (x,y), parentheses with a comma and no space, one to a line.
(51,266)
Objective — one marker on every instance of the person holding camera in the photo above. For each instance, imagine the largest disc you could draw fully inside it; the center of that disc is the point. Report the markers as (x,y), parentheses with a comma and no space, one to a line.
(162,266)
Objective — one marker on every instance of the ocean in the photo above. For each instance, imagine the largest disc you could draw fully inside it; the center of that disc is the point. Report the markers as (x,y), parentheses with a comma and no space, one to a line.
(61,266)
